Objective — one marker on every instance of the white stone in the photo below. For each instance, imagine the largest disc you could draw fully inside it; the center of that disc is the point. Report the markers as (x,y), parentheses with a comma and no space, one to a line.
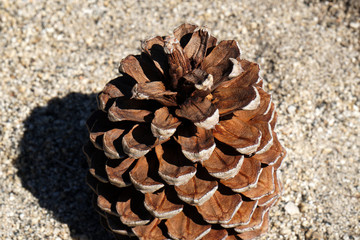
(291,208)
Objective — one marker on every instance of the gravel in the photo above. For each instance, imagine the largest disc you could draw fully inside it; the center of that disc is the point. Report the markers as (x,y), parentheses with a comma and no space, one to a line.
(56,55)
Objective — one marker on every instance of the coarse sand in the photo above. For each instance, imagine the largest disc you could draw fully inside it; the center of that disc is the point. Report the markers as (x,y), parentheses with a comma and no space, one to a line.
(56,55)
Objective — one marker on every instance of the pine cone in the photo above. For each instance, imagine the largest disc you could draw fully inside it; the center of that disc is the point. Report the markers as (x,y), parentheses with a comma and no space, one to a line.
(183,144)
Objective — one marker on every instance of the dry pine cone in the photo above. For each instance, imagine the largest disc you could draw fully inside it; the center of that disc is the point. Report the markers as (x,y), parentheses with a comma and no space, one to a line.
(183,144)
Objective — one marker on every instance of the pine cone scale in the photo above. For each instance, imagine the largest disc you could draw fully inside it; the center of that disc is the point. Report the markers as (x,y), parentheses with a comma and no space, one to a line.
(197,144)
(223,164)
(114,224)
(246,178)
(109,146)
(195,49)
(217,63)
(174,167)
(183,30)
(216,234)
(265,185)
(118,172)
(183,227)
(160,206)
(257,219)
(240,135)
(131,210)
(220,208)
(266,200)
(150,231)
(145,182)
(258,231)
(197,190)
(242,215)
(132,67)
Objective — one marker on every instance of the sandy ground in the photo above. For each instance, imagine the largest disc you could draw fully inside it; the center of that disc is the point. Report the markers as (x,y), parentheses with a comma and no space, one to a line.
(55,57)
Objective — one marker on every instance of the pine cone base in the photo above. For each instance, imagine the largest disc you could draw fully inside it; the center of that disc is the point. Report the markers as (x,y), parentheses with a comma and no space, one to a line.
(183,143)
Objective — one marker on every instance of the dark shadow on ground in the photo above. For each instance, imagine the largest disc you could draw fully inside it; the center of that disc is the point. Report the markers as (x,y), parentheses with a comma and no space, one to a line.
(52,166)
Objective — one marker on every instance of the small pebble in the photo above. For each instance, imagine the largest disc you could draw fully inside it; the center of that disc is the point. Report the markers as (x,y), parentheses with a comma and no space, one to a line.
(291,208)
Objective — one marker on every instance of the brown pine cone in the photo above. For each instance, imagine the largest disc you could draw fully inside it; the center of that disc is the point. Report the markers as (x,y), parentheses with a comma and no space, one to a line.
(183,144)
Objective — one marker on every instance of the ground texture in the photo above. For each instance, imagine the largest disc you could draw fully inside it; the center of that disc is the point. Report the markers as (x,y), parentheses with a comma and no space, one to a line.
(56,56)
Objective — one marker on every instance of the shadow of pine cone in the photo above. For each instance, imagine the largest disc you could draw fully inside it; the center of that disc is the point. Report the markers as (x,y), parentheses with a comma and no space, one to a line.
(52,166)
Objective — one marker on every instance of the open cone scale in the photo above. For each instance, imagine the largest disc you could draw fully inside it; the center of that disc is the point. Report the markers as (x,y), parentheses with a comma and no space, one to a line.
(183,144)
